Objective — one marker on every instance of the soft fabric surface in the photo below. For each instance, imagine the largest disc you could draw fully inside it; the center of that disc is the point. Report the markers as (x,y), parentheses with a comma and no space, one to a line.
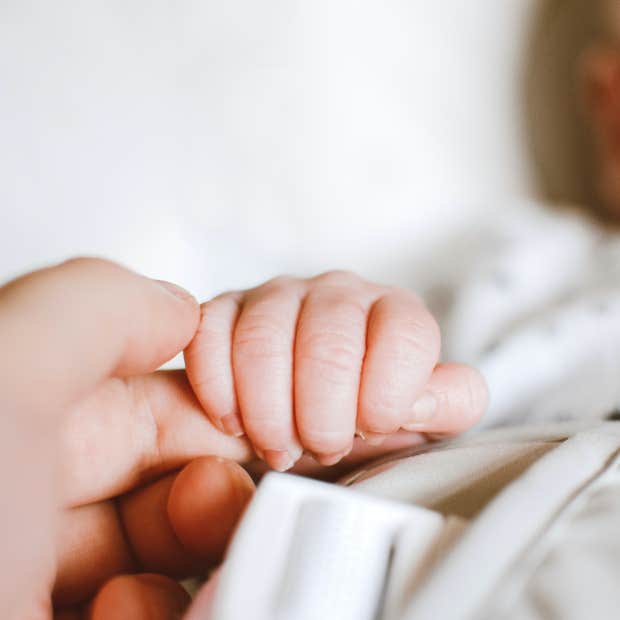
(534,302)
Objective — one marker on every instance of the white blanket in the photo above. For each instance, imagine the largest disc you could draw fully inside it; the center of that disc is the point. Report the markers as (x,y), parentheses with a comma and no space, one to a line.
(536,305)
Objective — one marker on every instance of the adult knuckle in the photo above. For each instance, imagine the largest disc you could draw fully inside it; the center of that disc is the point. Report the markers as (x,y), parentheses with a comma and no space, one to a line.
(97,276)
(92,264)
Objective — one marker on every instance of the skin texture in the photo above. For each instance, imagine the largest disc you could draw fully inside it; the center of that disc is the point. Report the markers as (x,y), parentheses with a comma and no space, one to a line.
(305,365)
(116,483)
(101,481)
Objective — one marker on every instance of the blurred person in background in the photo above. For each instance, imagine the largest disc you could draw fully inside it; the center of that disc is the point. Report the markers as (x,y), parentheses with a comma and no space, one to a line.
(601,76)
(536,287)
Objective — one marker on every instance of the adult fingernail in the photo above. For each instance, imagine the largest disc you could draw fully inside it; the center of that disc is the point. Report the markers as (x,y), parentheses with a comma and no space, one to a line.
(231,425)
(175,289)
(280,460)
(424,409)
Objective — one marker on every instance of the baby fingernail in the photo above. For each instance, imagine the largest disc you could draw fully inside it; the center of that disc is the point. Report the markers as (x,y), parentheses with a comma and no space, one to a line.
(280,460)
(231,425)
(374,439)
(331,459)
(296,452)
(424,409)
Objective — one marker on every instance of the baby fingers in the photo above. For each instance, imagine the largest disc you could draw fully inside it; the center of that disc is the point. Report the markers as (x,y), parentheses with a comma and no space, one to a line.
(305,364)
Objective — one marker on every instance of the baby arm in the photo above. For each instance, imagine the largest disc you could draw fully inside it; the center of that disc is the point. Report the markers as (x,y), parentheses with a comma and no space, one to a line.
(305,365)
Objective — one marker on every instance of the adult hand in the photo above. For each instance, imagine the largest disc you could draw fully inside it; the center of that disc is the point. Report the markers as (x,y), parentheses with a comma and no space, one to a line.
(108,494)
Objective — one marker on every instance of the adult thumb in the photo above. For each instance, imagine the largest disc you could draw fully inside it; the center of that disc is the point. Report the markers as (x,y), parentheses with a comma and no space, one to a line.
(66,328)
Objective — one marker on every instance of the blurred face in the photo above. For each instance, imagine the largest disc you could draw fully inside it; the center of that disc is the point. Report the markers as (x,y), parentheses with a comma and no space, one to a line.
(601,69)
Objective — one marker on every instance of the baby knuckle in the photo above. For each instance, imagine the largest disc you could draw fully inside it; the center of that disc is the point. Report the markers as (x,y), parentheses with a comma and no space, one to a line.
(336,354)
(338,277)
(279,283)
(414,340)
(336,311)
(260,339)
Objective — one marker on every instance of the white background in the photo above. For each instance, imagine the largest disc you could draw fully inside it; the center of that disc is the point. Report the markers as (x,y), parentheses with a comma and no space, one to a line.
(217,143)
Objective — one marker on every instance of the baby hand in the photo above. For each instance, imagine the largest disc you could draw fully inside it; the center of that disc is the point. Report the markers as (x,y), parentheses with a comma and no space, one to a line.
(307,364)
